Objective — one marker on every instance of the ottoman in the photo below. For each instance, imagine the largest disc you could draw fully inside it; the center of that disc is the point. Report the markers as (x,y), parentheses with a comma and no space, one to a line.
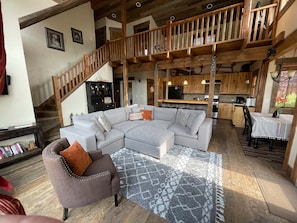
(149,140)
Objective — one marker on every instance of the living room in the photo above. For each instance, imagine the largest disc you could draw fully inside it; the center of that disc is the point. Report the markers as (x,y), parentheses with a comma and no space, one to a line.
(18,52)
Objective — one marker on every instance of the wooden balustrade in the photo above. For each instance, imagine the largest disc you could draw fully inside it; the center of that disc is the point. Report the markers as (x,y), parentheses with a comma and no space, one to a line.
(262,25)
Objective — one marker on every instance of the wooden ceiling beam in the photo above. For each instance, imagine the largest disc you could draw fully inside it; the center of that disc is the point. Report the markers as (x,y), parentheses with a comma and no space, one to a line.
(41,15)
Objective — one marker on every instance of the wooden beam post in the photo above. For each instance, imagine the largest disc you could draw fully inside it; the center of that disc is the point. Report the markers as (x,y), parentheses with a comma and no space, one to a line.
(262,82)
(167,79)
(124,60)
(156,85)
(211,85)
(246,18)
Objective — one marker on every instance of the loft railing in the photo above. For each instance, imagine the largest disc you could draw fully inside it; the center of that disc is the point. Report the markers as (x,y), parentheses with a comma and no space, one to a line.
(262,23)
(218,26)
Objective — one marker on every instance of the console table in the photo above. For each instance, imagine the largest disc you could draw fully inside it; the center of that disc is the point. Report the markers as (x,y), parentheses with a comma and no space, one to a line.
(13,132)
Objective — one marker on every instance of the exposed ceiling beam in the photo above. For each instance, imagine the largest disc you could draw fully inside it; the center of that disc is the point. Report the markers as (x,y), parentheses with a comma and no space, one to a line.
(41,15)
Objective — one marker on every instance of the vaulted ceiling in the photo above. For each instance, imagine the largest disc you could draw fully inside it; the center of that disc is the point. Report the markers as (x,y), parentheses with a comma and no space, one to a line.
(160,10)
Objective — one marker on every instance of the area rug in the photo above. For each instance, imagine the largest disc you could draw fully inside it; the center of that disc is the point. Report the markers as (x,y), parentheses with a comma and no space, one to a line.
(277,154)
(185,185)
(280,196)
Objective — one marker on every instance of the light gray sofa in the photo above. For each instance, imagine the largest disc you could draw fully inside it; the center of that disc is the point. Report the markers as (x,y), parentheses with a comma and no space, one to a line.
(184,127)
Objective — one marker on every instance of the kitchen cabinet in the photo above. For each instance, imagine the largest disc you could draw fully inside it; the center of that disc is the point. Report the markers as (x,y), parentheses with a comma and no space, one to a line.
(237,115)
(225,111)
(234,83)
(194,85)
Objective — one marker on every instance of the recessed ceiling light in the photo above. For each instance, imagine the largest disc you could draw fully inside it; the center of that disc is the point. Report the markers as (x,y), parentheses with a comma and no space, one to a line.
(209,6)
(172,18)
(113,15)
(138,4)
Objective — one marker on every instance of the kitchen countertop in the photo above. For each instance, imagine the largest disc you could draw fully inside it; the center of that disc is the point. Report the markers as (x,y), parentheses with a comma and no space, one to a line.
(181,101)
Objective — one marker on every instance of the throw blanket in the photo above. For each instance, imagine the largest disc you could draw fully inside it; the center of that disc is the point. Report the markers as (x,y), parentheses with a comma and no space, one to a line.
(184,186)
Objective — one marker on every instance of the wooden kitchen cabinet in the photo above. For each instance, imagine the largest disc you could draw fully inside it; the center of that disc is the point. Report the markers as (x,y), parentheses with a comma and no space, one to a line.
(225,111)
(234,83)
(194,85)
(237,115)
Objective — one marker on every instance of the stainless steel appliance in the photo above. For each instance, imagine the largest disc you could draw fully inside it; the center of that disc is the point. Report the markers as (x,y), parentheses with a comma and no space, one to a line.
(215,105)
(175,92)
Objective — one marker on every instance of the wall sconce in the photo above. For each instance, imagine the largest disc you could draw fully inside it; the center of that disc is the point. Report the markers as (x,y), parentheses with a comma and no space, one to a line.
(185,82)
(169,83)
(203,82)
(275,75)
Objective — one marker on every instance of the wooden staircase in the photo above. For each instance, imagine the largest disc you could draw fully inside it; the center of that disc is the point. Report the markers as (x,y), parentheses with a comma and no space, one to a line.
(47,117)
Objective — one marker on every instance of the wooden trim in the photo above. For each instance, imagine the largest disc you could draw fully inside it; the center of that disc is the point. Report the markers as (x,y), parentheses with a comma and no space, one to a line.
(285,9)
(41,15)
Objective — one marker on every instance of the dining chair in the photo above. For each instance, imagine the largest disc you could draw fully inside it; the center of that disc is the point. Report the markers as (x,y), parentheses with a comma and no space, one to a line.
(248,127)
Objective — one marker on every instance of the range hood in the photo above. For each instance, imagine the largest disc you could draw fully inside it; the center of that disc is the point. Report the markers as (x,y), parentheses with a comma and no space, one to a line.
(207,82)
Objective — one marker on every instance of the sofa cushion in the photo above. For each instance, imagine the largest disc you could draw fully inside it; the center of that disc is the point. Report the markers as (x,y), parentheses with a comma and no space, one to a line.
(104,122)
(116,115)
(166,114)
(182,131)
(197,122)
(77,158)
(159,123)
(128,125)
(182,117)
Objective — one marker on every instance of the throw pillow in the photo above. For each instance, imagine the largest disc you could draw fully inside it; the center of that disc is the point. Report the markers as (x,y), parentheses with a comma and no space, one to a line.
(105,123)
(135,116)
(182,117)
(197,122)
(147,114)
(77,158)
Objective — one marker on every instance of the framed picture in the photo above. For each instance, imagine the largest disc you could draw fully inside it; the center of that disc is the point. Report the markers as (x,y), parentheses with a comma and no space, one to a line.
(54,39)
(77,36)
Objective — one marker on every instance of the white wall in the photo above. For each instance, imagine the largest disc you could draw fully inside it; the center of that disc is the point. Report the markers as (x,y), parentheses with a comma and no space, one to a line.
(17,107)
(77,103)
(43,62)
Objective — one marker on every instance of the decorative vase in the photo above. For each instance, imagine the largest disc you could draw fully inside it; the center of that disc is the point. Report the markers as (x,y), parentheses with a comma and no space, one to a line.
(275,114)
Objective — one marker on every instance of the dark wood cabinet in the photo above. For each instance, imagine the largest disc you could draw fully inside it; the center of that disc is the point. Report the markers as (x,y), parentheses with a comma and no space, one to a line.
(99,96)
(14,132)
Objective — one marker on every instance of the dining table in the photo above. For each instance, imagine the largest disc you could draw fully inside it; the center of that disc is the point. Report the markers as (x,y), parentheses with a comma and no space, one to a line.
(266,126)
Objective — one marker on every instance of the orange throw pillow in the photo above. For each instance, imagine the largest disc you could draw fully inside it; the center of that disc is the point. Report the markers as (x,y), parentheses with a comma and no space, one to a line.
(147,114)
(77,158)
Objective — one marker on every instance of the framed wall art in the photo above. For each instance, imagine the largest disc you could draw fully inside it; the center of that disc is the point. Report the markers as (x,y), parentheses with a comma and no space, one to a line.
(77,36)
(54,39)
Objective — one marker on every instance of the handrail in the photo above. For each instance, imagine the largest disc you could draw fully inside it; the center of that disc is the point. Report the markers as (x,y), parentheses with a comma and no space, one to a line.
(67,82)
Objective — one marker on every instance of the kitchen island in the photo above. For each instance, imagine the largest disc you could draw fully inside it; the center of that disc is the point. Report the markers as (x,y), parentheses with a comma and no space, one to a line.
(181,103)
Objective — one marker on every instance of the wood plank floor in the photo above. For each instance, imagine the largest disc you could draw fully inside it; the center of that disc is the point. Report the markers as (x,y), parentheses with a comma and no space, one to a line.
(243,198)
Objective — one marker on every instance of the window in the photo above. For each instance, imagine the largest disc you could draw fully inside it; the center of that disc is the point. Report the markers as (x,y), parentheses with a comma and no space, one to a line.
(287,90)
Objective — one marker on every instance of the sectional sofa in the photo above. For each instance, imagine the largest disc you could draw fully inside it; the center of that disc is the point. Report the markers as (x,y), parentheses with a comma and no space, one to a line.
(147,129)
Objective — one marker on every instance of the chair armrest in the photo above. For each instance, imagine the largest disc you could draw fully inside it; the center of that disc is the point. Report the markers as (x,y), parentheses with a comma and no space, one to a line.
(86,139)
(96,154)
(205,133)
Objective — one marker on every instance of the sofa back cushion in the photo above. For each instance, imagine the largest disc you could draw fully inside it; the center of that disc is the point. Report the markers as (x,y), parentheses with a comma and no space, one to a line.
(182,117)
(194,121)
(166,114)
(116,115)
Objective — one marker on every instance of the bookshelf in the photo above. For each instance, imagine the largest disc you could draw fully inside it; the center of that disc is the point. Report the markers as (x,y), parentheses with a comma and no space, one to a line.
(17,131)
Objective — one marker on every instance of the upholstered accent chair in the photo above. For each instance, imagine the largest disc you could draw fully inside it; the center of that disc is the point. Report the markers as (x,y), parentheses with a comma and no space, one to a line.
(99,180)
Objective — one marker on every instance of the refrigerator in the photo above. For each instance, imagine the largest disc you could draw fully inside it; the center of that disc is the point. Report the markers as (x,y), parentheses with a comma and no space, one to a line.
(175,92)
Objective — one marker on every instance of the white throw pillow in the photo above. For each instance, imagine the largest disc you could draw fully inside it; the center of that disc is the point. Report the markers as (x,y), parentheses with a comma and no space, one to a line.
(182,117)
(105,123)
(135,116)
(197,122)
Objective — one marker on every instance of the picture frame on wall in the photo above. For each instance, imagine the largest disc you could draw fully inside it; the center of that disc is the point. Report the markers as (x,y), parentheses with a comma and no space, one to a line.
(77,36)
(54,39)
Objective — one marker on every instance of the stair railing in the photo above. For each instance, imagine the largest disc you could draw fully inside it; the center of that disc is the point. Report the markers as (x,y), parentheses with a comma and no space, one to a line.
(67,82)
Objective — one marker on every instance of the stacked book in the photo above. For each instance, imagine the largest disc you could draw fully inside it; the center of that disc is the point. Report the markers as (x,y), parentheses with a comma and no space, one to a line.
(11,150)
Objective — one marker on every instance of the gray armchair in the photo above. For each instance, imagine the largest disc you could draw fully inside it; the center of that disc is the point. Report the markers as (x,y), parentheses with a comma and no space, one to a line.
(100,180)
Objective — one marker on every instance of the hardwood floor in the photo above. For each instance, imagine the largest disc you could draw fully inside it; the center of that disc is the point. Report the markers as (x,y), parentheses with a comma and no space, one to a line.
(243,198)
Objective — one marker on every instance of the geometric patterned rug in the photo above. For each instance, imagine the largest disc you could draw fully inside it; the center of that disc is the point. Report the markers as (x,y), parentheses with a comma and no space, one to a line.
(185,185)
